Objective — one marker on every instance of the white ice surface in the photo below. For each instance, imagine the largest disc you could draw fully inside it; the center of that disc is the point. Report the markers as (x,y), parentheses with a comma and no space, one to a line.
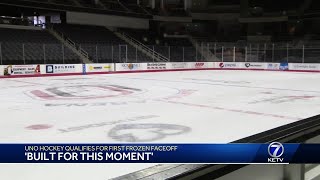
(177,107)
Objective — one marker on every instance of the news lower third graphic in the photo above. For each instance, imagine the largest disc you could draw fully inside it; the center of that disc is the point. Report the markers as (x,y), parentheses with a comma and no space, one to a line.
(232,153)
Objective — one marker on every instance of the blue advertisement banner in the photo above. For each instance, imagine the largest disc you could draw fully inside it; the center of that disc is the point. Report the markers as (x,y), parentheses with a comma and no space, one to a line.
(160,153)
(284,66)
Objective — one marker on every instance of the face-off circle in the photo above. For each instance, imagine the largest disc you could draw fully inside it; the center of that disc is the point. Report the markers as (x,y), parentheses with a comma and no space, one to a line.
(146,132)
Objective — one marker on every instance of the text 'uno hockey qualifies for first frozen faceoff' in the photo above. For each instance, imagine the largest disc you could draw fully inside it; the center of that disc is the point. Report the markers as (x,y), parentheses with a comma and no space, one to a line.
(93,153)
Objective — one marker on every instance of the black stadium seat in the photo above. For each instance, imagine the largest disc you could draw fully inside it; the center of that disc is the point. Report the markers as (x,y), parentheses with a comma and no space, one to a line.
(19,46)
(101,44)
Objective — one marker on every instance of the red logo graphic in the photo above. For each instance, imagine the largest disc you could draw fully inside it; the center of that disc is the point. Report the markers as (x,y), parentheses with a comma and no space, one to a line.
(37,70)
(83,92)
(221,65)
(199,65)
(39,127)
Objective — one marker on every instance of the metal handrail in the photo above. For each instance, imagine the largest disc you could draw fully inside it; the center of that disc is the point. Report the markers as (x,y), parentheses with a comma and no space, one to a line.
(146,48)
(70,42)
(83,52)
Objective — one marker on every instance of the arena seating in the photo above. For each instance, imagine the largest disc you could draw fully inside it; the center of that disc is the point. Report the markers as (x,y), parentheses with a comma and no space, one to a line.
(101,44)
(63,2)
(60,2)
(136,8)
(110,6)
(19,46)
(113,5)
(180,48)
(89,4)
(270,7)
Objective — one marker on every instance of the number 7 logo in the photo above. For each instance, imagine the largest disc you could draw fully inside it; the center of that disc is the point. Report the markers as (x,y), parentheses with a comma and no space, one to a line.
(275,149)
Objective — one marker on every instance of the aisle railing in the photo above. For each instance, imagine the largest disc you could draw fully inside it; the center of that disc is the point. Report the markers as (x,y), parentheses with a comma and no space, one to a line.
(26,53)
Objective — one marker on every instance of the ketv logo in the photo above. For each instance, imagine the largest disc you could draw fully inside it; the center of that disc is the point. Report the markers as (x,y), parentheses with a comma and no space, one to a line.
(275,150)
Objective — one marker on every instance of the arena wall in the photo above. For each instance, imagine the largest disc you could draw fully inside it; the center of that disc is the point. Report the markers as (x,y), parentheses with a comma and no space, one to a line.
(11,71)
(107,20)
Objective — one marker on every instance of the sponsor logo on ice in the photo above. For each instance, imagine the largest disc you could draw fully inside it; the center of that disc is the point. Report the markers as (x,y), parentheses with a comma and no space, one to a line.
(82,92)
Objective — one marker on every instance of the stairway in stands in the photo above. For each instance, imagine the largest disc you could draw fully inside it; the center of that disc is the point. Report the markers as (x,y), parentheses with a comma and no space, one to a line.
(175,49)
(102,45)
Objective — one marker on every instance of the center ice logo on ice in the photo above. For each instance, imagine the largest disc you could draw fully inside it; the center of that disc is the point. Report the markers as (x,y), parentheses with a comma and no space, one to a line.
(83,92)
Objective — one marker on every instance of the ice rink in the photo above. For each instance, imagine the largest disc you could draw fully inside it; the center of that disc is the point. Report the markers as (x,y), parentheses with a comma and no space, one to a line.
(164,107)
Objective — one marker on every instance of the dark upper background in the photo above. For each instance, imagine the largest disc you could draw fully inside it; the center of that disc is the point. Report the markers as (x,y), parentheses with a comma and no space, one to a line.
(216,20)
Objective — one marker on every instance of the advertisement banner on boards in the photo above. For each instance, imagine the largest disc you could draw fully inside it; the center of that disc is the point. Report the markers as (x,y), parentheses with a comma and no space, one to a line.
(156,66)
(284,66)
(99,68)
(177,65)
(199,65)
(129,66)
(227,65)
(305,66)
(1,70)
(254,65)
(272,66)
(63,68)
(11,70)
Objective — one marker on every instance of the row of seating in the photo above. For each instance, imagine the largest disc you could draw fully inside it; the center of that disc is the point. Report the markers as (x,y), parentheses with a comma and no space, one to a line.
(19,46)
(120,6)
(113,5)
(176,49)
(23,35)
(94,39)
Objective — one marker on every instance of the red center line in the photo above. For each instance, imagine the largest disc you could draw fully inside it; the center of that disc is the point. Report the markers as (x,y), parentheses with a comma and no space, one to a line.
(236,110)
